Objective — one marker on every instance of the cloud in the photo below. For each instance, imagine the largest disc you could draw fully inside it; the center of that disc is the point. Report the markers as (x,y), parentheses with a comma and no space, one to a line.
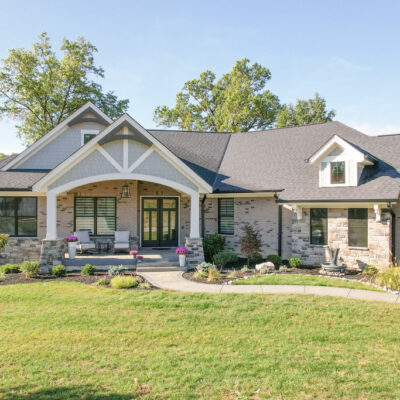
(348,65)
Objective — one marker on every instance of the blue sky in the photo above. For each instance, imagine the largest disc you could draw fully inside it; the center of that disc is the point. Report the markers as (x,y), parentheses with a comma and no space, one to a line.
(348,51)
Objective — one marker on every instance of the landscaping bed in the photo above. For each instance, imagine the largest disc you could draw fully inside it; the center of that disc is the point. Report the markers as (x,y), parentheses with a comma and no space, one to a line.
(20,278)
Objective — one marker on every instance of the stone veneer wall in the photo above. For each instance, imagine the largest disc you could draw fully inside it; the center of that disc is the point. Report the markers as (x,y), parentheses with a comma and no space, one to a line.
(262,213)
(18,250)
(378,252)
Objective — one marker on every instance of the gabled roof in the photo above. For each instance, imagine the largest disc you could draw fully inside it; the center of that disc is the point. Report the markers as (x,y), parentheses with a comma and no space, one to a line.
(74,118)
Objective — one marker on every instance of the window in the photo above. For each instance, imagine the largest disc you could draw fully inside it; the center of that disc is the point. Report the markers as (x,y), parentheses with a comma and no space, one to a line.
(338,172)
(319,226)
(96,215)
(18,216)
(358,227)
(87,137)
(225,216)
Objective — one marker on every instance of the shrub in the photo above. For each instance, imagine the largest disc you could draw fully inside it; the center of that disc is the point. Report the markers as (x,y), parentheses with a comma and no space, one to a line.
(250,242)
(204,266)
(116,270)
(275,259)
(88,269)
(233,275)
(213,274)
(295,262)
(263,271)
(30,268)
(213,244)
(223,258)
(101,282)
(59,271)
(1,276)
(124,282)
(390,278)
(283,268)
(10,269)
(3,240)
(257,258)
(144,285)
(200,274)
(371,270)
(245,268)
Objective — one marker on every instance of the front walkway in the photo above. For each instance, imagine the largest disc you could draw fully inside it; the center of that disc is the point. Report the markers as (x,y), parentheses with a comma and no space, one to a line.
(173,280)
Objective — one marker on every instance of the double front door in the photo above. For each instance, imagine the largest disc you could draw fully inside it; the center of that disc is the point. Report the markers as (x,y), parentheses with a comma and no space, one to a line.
(159,221)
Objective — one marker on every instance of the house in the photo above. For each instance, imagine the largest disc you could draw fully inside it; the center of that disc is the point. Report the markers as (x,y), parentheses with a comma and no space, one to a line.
(304,188)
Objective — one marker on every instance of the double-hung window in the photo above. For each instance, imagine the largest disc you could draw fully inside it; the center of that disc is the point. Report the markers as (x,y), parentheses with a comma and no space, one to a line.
(319,226)
(358,227)
(338,173)
(96,215)
(226,216)
(18,216)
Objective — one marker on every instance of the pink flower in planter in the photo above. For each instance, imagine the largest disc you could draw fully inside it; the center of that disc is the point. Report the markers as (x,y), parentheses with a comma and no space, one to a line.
(140,257)
(133,252)
(182,250)
(71,238)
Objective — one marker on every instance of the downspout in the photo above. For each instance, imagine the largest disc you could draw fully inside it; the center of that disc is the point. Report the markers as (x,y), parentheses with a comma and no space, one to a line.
(392,213)
(279,227)
(202,216)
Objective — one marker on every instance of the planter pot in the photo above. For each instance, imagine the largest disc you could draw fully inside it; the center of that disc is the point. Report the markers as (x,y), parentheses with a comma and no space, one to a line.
(182,260)
(71,250)
(134,260)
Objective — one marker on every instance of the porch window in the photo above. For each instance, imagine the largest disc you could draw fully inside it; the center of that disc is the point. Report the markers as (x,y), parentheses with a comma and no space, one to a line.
(96,215)
(18,216)
(225,216)
(319,226)
(358,227)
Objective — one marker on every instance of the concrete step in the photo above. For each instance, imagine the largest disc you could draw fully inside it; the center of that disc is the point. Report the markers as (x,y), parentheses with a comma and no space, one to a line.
(155,268)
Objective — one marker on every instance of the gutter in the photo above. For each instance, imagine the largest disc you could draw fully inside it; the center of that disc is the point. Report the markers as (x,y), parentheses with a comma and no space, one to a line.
(29,189)
(339,201)
(393,247)
(202,216)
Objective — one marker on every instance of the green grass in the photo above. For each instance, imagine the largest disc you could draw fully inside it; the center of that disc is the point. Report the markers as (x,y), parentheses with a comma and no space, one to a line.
(299,279)
(64,340)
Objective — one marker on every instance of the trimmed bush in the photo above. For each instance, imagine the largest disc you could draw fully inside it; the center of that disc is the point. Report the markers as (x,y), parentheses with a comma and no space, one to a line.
(370,270)
(204,267)
(30,268)
(275,259)
(257,258)
(390,278)
(116,270)
(213,274)
(88,269)
(200,274)
(59,271)
(213,244)
(295,262)
(224,257)
(10,269)
(124,282)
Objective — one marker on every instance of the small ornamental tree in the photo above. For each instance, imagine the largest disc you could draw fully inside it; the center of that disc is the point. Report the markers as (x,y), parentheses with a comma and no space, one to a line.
(250,242)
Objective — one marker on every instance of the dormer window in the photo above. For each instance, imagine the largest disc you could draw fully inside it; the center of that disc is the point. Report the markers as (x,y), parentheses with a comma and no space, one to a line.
(338,172)
(87,135)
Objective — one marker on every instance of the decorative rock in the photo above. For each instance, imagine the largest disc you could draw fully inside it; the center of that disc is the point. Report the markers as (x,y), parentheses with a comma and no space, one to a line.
(269,266)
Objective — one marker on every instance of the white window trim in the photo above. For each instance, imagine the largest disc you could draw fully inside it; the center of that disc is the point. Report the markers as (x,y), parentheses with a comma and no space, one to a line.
(88,132)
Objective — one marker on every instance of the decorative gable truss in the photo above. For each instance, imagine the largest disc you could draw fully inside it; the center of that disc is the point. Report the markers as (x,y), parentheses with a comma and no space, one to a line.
(340,163)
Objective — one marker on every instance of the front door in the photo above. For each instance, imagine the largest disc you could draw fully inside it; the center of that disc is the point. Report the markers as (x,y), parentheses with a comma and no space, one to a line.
(159,221)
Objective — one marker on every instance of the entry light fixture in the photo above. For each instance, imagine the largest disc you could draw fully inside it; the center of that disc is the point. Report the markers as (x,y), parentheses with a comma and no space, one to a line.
(126,192)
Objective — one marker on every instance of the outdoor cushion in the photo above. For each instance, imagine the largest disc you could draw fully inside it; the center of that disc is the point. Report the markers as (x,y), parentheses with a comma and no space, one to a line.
(122,237)
(121,245)
(83,237)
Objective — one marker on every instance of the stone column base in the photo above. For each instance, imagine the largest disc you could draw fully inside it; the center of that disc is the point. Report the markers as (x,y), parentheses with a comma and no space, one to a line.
(196,252)
(52,253)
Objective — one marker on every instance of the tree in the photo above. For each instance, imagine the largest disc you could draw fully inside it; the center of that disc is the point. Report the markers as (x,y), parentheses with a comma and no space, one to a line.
(2,155)
(250,242)
(237,102)
(40,89)
(309,111)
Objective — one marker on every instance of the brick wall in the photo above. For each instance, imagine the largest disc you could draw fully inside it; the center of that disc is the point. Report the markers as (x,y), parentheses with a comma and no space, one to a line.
(378,252)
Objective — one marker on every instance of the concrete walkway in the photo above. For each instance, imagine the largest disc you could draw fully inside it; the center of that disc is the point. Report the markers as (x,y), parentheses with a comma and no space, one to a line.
(173,280)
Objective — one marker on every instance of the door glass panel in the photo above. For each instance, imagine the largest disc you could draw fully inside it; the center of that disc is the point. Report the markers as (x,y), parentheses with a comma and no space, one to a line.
(165,232)
(172,227)
(149,203)
(146,225)
(154,225)
(169,203)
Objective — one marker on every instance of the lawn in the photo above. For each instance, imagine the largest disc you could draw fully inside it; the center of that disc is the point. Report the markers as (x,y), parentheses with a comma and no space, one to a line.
(299,279)
(66,340)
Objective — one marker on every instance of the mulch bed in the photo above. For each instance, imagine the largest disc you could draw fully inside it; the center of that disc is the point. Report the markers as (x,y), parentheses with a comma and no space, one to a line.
(349,274)
(12,279)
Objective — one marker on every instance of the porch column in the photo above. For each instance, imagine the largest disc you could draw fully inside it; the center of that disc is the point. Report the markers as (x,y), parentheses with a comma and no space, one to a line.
(51,216)
(194,216)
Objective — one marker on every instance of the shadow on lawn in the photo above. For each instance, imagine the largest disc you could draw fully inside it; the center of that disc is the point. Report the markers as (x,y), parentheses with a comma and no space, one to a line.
(69,392)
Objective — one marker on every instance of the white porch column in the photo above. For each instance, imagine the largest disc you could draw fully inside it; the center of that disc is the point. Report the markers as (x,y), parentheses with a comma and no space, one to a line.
(194,216)
(51,216)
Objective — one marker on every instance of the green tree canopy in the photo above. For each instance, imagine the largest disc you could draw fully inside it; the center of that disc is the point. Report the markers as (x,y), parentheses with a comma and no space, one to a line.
(304,112)
(236,102)
(2,155)
(40,89)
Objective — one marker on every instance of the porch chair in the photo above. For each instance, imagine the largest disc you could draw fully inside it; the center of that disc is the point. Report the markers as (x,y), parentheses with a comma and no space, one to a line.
(84,242)
(121,241)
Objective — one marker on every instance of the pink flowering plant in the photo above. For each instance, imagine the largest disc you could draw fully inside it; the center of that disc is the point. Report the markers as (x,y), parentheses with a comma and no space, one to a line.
(71,238)
(133,252)
(140,257)
(182,250)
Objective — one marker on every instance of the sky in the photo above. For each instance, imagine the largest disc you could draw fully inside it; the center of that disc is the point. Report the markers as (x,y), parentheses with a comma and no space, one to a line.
(347,51)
